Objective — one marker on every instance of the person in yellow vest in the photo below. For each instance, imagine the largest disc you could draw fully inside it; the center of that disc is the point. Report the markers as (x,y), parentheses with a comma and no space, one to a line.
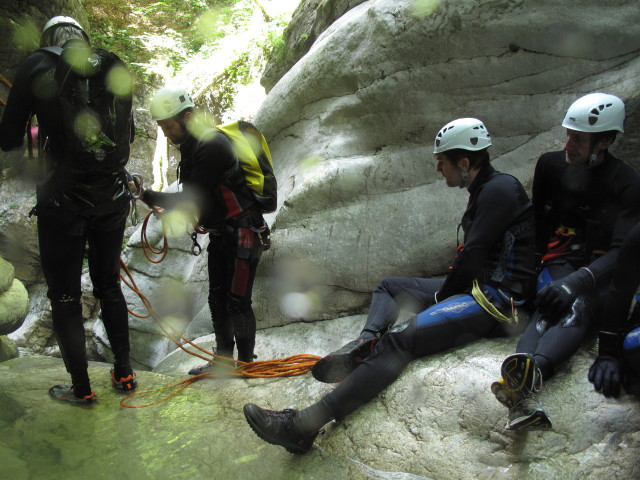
(214,184)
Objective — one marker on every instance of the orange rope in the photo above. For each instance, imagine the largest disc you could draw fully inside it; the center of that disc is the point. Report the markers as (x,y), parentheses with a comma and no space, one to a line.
(284,367)
(147,246)
(4,80)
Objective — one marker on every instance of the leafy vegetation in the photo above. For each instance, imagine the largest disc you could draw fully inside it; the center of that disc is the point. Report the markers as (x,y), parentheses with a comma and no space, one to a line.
(159,37)
(140,30)
(127,27)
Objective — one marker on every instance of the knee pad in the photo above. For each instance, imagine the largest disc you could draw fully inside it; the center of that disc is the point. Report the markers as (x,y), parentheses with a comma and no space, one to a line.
(398,338)
(65,305)
(244,322)
(580,314)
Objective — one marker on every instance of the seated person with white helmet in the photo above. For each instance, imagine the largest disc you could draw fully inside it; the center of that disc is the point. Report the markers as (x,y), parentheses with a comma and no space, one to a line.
(586,201)
(497,258)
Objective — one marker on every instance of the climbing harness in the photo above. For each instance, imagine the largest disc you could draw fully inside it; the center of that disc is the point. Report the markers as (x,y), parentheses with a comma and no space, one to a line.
(561,244)
(283,367)
(490,308)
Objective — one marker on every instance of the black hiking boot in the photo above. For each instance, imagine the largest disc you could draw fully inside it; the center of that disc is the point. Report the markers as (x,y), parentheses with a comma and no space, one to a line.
(337,365)
(279,428)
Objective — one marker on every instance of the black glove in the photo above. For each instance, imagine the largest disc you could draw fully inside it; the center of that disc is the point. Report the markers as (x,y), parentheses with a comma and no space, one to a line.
(607,372)
(556,298)
(144,196)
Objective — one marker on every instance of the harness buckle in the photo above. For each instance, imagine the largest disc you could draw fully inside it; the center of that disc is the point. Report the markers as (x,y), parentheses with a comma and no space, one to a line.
(196,249)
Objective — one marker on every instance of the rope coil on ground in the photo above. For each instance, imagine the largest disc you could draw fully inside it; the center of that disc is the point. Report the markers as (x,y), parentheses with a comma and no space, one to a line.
(283,367)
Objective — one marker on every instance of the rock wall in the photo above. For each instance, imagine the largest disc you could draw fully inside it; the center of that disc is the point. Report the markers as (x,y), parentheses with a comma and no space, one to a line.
(351,127)
(311,18)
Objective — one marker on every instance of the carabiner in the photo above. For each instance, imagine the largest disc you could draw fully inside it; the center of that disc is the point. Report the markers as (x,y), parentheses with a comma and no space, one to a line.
(138,181)
(196,249)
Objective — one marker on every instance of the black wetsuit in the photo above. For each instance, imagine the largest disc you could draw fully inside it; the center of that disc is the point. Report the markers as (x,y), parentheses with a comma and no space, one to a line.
(624,285)
(77,204)
(582,217)
(498,251)
(213,180)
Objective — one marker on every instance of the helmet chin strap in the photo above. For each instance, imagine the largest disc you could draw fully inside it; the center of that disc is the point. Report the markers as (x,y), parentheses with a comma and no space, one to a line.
(593,158)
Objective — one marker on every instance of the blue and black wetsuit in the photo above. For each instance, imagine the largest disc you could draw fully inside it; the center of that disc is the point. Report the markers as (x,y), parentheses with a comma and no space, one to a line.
(498,252)
(582,217)
(213,180)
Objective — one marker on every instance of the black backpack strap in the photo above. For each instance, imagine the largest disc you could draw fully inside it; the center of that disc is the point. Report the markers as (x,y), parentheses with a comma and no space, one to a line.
(57,51)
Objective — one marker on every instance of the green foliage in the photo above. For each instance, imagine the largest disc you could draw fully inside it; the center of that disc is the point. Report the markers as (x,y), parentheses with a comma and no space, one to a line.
(160,36)
(273,44)
(125,27)
(237,73)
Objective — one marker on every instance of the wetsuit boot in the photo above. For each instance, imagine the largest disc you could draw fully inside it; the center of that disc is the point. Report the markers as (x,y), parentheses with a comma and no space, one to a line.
(521,380)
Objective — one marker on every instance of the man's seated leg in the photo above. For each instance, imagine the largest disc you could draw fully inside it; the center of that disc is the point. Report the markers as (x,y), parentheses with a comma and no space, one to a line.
(391,295)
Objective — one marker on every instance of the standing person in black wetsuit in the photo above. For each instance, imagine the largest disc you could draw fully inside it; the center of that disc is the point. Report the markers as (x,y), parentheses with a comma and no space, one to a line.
(586,201)
(619,337)
(84,198)
(214,185)
(497,257)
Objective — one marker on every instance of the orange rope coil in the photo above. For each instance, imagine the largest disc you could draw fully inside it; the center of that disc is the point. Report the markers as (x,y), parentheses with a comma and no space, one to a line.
(283,367)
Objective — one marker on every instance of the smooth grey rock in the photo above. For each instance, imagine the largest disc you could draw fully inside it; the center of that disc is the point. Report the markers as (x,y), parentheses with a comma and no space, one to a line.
(8,349)
(18,232)
(309,20)
(6,275)
(351,127)
(14,305)
(438,420)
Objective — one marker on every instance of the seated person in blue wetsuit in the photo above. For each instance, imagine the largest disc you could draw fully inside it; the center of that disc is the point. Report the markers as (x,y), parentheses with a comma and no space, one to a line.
(498,253)
(586,201)
(619,341)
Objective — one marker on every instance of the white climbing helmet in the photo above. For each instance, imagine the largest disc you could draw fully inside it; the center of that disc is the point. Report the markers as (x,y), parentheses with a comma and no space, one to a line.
(464,133)
(596,112)
(168,102)
(61,20)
